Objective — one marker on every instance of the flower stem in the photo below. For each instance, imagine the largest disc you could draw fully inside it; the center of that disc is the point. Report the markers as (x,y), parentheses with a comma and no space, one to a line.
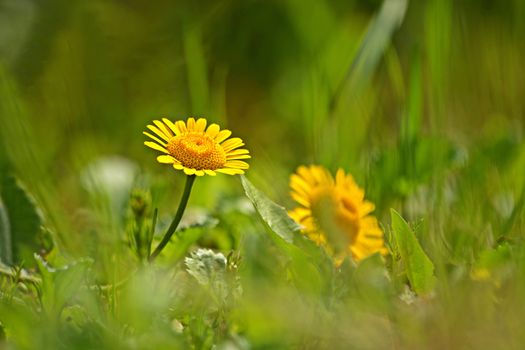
(178,216)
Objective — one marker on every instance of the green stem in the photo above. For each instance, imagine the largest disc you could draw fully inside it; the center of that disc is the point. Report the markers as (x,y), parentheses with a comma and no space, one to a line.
(176,220)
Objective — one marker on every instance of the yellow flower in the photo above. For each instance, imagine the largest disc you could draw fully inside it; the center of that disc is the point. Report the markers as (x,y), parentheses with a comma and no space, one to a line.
(334,213)
(190,147)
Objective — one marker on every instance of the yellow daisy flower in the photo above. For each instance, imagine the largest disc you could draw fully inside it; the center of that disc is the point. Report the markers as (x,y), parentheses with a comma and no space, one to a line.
(197,150)
(334,213)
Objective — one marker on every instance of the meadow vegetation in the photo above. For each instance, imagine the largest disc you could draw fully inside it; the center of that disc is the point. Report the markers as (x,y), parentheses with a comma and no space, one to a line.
(422,102)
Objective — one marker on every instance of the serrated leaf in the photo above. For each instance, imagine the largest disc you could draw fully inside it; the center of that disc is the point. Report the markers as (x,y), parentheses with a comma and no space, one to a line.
(419,268)
(273,215)
(23,219)
(6,248)
(59,285)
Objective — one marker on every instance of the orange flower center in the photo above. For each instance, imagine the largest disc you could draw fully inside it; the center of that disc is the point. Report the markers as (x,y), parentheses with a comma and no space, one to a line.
(336,215)
(197,151)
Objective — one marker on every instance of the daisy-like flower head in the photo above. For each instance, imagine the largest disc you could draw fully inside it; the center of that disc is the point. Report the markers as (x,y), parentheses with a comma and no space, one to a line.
(334,213)
(191,147)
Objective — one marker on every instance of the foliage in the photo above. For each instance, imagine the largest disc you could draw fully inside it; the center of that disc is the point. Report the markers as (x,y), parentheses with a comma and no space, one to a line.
(421,101)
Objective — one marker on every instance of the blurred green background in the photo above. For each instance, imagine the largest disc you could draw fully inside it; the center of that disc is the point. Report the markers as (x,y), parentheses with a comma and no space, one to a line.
(395,93)
(423,102)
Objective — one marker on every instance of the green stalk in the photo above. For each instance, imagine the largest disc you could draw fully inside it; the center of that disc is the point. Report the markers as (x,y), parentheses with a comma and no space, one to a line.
(176,220)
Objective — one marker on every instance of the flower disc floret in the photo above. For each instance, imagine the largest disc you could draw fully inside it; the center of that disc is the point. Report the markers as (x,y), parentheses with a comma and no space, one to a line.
(191,147)
(197,151)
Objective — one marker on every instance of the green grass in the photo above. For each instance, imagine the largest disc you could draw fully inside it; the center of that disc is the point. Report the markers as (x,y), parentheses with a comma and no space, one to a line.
(422,102)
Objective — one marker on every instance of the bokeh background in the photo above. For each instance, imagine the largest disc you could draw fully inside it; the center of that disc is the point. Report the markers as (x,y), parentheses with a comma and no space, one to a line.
(394,92)
(422,101)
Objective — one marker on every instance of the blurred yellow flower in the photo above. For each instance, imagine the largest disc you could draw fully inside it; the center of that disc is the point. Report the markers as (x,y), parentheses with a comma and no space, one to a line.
(334,213)
(192,148)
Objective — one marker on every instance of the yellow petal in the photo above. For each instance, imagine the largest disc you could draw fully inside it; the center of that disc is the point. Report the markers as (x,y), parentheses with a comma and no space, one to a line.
(239,164)
(178,166)
(306,174)
(213,130)
(199,172)
(189,171)
(321,175)
(181,126)
(237,152)
(160,133)
(230,171)
(200,126)
(210,172)
(299,214)
(165,159)
(163,127)
(172,126)
(223,135)
(377,238)
(156,146)
(232,143)
(366,208)
(340,177)
(155,138)
(298,184)
(357,253)
(191,124)
(240,156)
(300,199)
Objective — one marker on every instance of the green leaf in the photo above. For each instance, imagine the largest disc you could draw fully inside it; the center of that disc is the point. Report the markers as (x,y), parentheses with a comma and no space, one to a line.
(274,215)
(59,285)
(22,226)
(419,268)
(303,268)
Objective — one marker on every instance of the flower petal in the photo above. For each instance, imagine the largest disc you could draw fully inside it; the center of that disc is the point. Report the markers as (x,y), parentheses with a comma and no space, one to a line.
(237,152)
(366,208)
(222,135)
(232,143)
(299,214)
(213,130)
(300,199)
(210,172)
(240,156)
(189,171)
(199,172)
(306,174)
(182,126)
(239,164)
(191,124)
(163,127)
(165,159)
(162,143)
(340,177)
(172,126)
(300,186)
(200,125)
(156,146)
(160,133)
(321,175)
(230,171)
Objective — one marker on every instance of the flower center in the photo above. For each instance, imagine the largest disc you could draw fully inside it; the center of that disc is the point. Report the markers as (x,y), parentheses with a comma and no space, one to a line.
(197,151)
(336,214)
